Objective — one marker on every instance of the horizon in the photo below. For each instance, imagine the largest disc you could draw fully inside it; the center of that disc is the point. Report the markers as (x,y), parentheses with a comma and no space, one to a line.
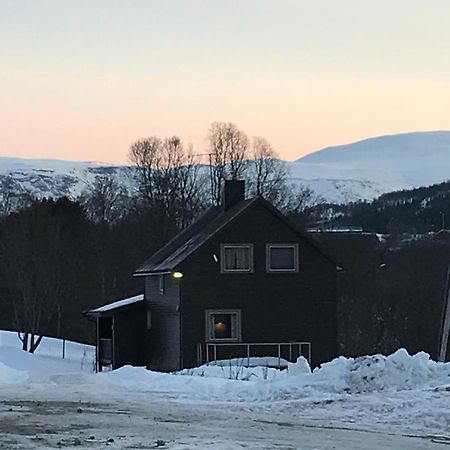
(128,163)
(82,81)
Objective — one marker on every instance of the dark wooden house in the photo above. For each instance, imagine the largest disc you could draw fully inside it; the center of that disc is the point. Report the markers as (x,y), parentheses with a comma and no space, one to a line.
(241,281)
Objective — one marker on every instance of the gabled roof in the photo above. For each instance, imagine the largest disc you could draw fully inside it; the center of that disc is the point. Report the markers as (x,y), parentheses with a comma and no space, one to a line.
(193,237)
(115,305)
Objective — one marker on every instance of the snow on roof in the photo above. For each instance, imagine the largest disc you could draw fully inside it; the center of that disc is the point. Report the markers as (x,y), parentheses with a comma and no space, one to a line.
(117,304)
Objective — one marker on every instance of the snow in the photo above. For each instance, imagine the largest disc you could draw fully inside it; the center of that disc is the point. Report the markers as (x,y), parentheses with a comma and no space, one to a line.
(57,178)
(366,169)
(118,304)
(396,401)
(48,357)
(358,171)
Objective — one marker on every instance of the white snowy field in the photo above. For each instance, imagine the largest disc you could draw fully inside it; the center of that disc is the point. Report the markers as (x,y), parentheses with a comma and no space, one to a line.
(374,402)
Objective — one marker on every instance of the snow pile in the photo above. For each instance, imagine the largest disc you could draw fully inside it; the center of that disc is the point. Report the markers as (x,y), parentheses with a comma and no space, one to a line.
(244,369)
(398,371)
(11,376)
(17,365)
(300,367)
(57,349)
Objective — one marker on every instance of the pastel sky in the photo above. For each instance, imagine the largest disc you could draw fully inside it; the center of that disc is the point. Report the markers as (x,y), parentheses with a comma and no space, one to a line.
(83,79)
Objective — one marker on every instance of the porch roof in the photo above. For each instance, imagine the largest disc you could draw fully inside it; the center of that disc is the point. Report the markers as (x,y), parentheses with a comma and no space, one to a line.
(115,305)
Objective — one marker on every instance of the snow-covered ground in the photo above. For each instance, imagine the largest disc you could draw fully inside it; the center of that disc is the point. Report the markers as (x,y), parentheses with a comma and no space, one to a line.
(394,402)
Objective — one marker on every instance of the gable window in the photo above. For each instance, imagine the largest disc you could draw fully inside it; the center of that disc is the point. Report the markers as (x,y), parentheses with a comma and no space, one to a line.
(236,257)
(282,257)
(223,325)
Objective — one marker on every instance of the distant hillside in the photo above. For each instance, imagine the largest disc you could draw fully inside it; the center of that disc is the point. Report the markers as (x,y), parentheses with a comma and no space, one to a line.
(54,178)
(366,169)
(420,210)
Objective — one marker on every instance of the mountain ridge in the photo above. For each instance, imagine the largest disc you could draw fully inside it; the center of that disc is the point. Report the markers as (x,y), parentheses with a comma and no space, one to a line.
(337,174)
(365,169)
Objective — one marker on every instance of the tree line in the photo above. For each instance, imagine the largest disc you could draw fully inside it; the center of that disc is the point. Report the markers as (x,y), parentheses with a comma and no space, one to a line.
(413,211)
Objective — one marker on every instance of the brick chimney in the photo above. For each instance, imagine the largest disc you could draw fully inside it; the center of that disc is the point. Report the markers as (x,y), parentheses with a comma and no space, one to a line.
(233,191)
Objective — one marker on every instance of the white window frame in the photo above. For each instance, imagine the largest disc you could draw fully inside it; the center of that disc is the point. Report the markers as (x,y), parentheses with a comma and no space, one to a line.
(209,325)
(224,247)
(268,260)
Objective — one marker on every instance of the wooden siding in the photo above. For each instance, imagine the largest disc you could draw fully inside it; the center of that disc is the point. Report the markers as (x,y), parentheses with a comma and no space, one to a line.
(275,307)
(164,336)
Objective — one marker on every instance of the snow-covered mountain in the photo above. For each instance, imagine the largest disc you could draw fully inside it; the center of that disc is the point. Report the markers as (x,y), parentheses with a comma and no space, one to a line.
(341,174)
(54,178)
(366,169)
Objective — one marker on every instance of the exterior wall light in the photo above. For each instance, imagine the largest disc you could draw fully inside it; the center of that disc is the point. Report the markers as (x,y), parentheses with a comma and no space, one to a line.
(177,275)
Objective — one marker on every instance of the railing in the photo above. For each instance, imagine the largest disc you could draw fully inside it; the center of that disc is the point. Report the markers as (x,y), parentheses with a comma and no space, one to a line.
(283,350)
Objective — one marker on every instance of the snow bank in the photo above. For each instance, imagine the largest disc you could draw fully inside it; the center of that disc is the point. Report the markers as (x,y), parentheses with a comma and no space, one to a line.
(398,371)
(337,380)
(244,369)
(55,348)
(17,366)
(11,376)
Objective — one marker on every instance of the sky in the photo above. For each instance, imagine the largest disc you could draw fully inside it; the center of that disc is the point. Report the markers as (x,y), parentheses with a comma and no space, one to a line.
(83,79)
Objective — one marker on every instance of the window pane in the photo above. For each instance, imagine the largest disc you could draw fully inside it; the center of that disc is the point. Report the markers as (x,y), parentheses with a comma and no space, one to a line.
(237,258)
(230,259)
(222,326)
(282,258)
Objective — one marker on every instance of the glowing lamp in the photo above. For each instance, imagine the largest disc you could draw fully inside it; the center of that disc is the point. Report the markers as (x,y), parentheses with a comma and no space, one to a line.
(220,327)
(177,275)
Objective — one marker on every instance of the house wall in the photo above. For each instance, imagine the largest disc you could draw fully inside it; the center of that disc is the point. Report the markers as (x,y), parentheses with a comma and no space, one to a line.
(274,307)
(163,338)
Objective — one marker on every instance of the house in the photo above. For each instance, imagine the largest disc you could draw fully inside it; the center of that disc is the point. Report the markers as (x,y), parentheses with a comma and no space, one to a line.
(241,281)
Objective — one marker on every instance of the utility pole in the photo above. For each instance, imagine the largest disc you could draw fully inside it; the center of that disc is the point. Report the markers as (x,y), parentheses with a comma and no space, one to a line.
(445,323)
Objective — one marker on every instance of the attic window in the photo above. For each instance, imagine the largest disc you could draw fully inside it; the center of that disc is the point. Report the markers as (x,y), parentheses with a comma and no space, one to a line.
(223,325)
(236,258)
(282,257)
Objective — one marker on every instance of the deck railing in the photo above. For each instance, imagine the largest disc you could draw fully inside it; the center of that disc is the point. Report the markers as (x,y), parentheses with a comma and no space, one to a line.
(281,350)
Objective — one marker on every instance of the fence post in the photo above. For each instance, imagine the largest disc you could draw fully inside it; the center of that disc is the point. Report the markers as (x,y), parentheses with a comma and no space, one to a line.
(279,356)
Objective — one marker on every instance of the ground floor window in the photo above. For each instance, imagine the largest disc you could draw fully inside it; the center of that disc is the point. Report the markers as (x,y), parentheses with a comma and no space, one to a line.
(223,325)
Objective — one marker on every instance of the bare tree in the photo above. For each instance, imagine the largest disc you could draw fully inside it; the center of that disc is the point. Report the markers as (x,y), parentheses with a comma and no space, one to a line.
(104,200)
(32,254)
(169,178)
(267,174)
(301,198)
(144,154)
(228,147)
